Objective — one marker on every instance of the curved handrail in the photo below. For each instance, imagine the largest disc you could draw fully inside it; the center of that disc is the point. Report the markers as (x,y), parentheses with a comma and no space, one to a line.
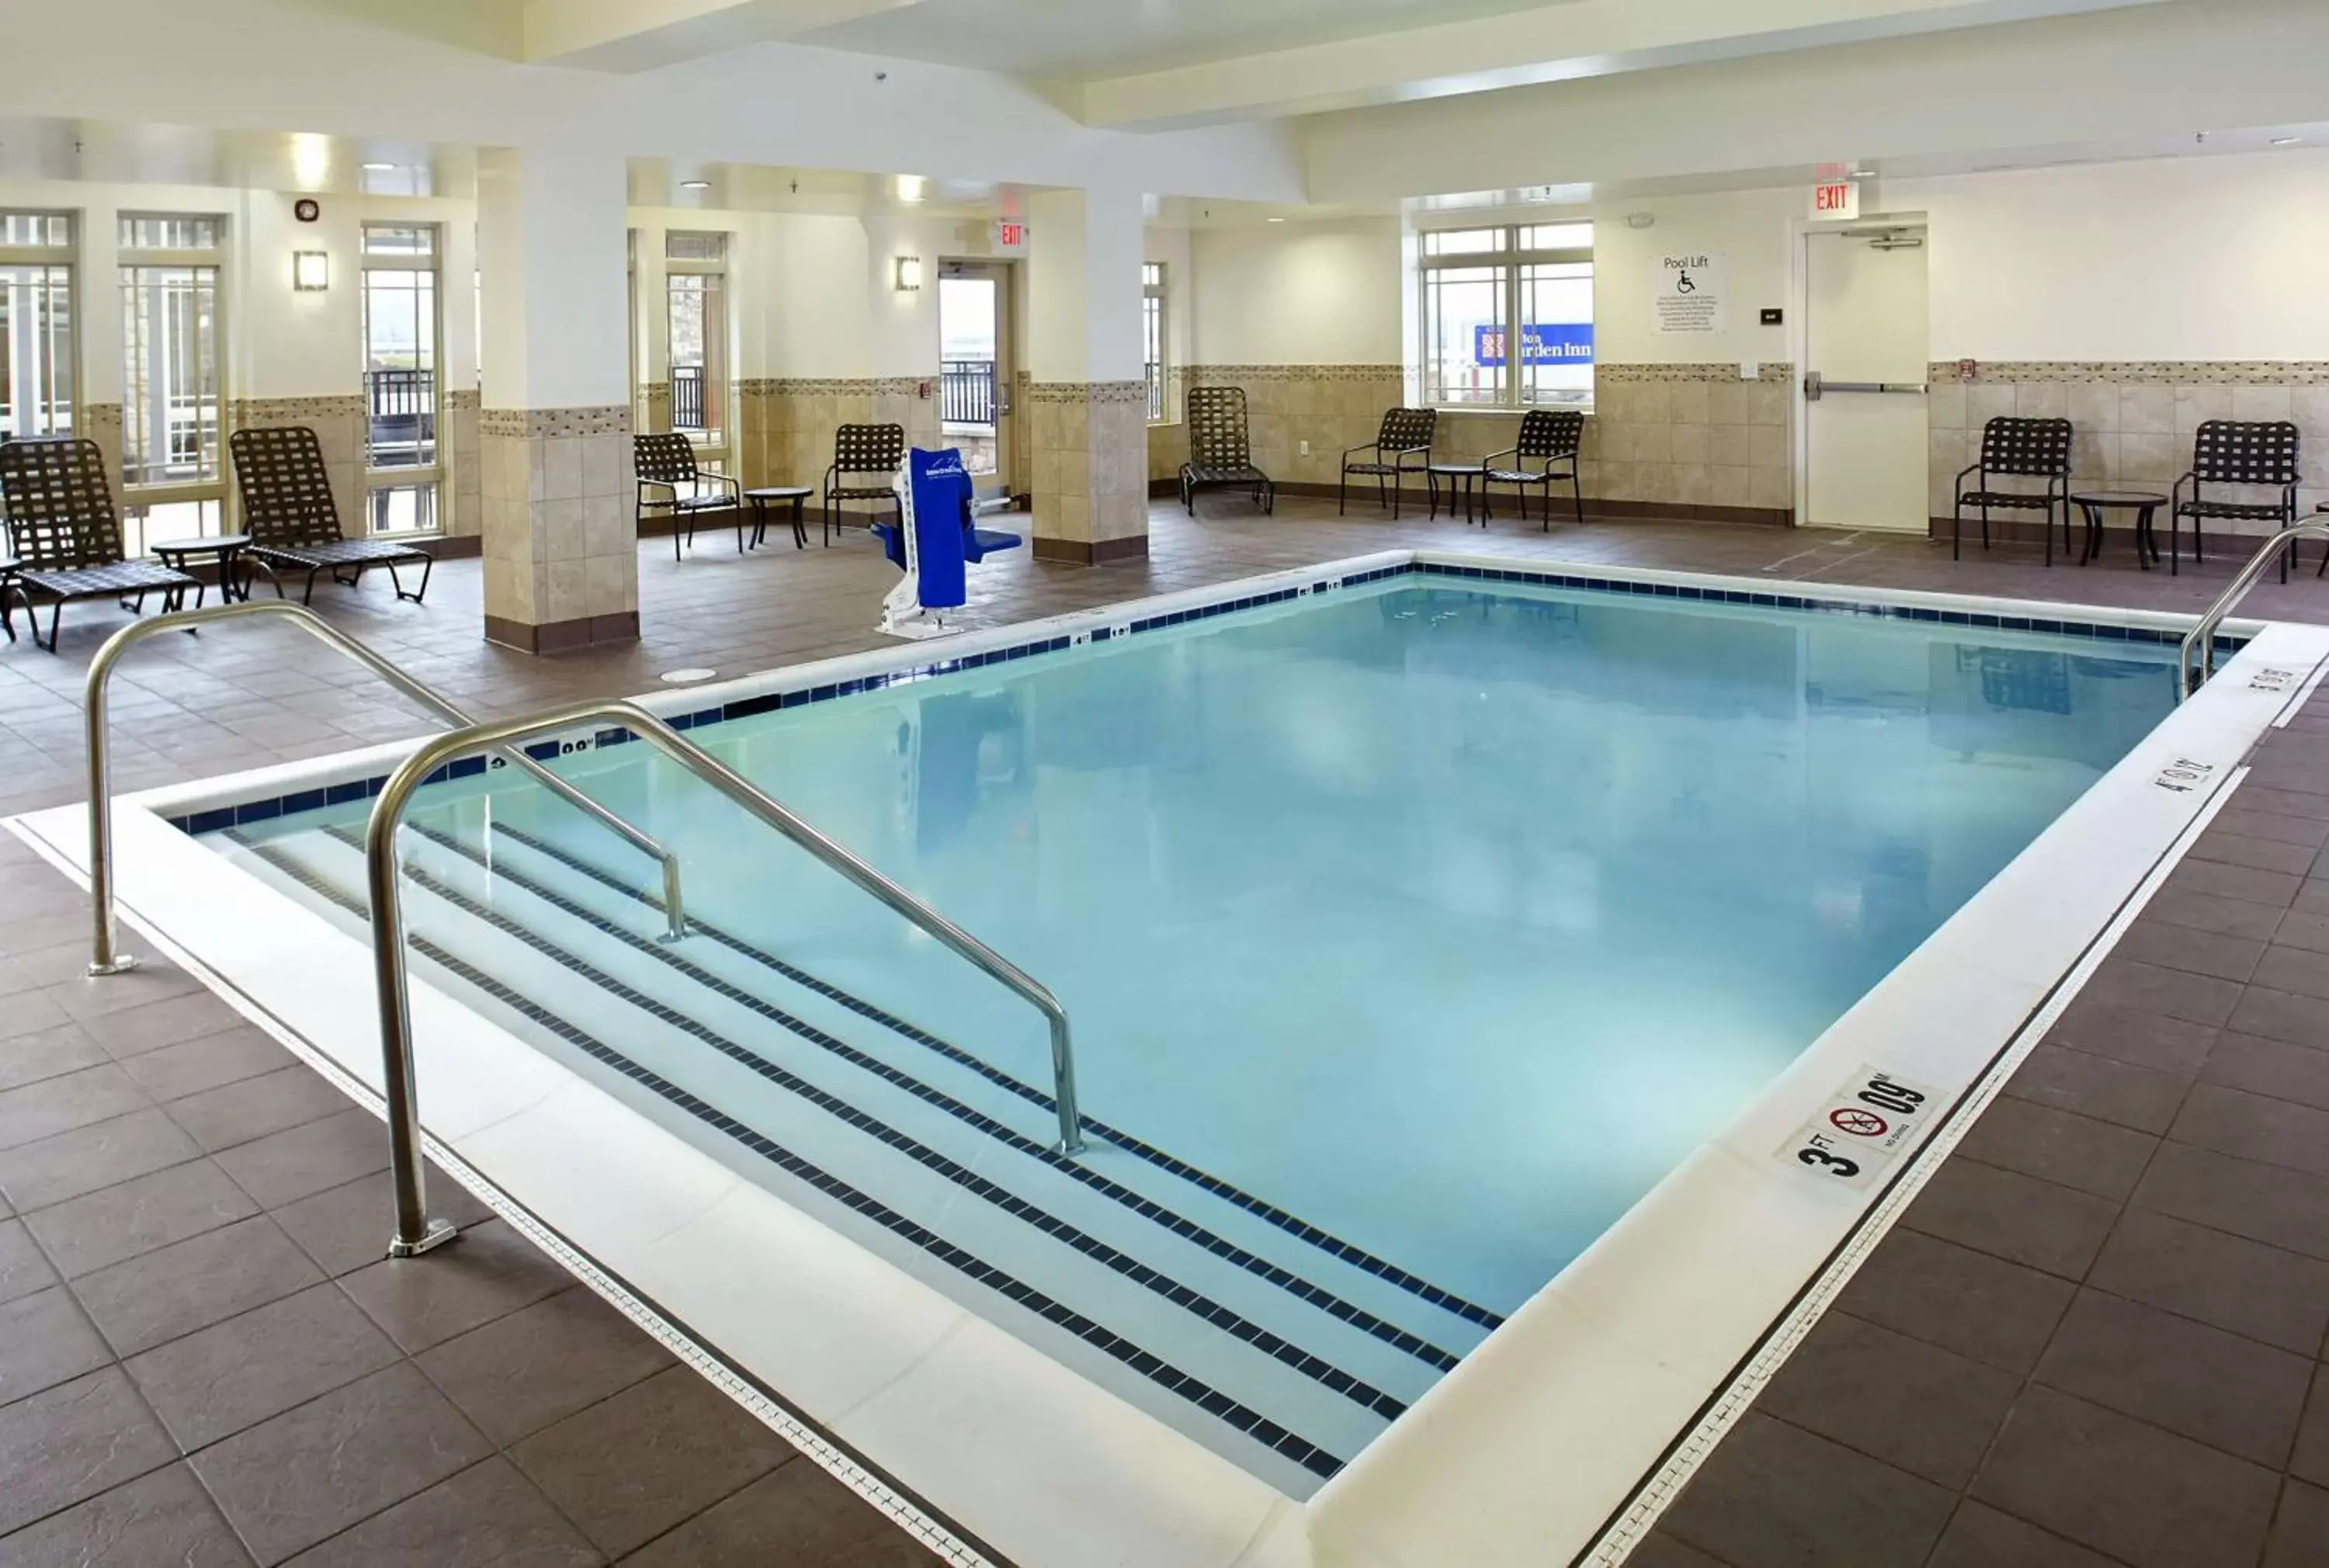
(104,958)
(415,1231)
(2202,637)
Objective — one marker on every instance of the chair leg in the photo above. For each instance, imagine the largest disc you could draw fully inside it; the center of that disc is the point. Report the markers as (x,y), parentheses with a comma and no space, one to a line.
(56,619)
(7,611)
(1342,492)
(309,598)
(428,564)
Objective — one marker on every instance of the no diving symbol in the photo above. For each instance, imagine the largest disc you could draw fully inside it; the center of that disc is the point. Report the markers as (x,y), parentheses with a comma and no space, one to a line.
(1858,1122)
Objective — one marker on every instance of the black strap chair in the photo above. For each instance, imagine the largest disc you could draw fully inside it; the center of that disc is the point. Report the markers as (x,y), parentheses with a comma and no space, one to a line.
(1221,449)
(2254,452)
(671,485)
(288,512)
(67,537)
(859,452)
(1404,433)
(1552,436)
(2022,449)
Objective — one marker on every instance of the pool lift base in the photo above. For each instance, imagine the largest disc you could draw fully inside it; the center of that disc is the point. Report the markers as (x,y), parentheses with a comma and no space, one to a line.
(433,1235)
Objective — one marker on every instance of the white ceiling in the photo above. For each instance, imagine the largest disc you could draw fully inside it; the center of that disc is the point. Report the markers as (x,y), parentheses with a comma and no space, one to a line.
(1087,38)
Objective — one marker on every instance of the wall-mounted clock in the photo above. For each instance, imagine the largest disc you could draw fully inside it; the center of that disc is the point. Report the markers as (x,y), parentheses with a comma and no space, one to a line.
(305,209)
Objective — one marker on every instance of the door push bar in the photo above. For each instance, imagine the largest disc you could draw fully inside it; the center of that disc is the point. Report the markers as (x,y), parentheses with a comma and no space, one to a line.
(1816,386)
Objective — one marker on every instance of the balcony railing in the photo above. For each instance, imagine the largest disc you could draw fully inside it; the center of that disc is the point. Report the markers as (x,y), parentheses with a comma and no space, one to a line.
(400,418)
(687,399)
(1156,392)
(967,392)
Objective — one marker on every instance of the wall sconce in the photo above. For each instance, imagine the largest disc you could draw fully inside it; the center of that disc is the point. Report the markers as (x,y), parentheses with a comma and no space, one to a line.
(909,274)
(311,271)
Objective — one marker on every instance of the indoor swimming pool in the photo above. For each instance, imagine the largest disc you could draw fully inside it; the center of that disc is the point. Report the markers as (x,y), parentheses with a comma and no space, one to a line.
(1412,932)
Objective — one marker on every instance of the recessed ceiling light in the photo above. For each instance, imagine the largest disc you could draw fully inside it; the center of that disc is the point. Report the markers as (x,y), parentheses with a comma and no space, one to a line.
(1277,220)
(380,168)
(695,184)
(2286,141)
(912,187)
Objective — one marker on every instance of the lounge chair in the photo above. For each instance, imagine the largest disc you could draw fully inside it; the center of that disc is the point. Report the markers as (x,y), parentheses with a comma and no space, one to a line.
(1221,451)
(666,461)
(293,523)
(67,537)
(860,451)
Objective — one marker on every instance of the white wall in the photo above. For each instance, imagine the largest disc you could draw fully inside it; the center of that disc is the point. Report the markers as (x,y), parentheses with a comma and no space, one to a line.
(1750,228)
(2214,259)
(1300,293)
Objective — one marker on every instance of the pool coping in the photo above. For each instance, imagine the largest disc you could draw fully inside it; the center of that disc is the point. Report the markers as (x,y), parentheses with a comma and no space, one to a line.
(979,1429)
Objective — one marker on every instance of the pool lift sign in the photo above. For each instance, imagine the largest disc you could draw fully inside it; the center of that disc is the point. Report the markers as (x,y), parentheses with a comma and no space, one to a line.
(1861,1129)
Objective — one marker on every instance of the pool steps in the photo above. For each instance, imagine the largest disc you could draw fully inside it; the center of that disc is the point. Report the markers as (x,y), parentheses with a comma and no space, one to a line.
(1283,1347)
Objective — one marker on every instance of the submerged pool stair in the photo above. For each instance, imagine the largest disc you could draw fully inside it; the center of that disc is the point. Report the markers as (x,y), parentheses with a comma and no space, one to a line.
(1275,1343)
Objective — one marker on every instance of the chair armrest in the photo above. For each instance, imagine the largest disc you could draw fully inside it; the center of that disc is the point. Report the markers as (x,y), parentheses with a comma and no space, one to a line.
(1968,468)
(1504,451)
(735,485)
(1373,447)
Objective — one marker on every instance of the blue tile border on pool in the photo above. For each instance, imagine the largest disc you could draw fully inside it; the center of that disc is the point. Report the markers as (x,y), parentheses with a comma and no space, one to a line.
(222,817)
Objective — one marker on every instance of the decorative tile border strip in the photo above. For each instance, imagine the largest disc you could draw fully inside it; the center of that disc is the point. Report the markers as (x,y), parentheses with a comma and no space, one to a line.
(2141,372)
(220,818)
(535,424)
(1104,392)
(828,386)
(249,411)
(1199,375)
(98,418)
(464,400)
(1770,370)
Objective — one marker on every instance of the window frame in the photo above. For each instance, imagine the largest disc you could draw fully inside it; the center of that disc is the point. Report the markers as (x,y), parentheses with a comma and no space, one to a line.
(65,255)
(1156,329)
(1505,255)
(712,455)
(208,492)
(426,476)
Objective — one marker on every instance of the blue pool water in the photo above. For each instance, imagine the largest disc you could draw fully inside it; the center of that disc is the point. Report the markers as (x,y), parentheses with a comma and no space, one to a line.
(1448,919)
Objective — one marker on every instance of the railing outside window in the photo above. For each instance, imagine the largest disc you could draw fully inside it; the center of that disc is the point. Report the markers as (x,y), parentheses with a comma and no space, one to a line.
(967,392)
(172,373)
(1151,334)
(687,399)
(403,345)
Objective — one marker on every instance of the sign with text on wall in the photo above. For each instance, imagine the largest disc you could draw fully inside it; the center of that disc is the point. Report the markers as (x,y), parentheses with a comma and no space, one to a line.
(1687,291)
(1008,237)
(1567,343)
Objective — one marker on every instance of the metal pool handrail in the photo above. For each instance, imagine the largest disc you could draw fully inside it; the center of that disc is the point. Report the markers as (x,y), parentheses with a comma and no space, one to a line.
(415,1231)
(104,958)
(2203,637)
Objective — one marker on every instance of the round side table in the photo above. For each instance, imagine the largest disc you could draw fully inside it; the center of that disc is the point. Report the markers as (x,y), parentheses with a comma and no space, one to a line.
(225,549)
(2144,503)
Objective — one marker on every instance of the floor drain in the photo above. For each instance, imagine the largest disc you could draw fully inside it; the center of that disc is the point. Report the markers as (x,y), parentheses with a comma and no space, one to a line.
(686,677)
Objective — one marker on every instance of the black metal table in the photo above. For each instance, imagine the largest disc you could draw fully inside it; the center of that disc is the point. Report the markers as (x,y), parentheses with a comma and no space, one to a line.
(225,549)
(795,496)
(1463,479)
(2144,503)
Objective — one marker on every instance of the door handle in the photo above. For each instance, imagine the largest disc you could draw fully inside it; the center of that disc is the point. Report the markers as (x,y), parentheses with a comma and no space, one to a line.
(1817,387)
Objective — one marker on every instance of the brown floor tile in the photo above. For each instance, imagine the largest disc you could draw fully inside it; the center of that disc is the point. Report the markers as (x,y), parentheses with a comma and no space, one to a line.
(90,1158)
(2310,1457)
(314,1471)
(2300,1528)
(2206,912)
(2218,1388)
(2300,1021)
(2280,1298)
(1659,1551)
(151,1026)
(238,1114)
(2147,989)
(2097,1086)
(2261,854)
(2072,1150)
(347,1228)
(542,1364)
(2260,822)
(1901,1400)
(490,1273)
(2140,1494)
(44,1340)
(2265,1202)
(801,1517)
(194,1283)
(2172,946)
(1982,1537)
(86,997)
(2223,880)
(69,1443)
(221,1379)
(1773,1494)
(284,1167)
(487,1516)
(2140,1040)
(164,1518)
(208,1062)
(2254,1127)
(86,1234)
(2270,1067)
(2017,1217)
(66,1102)
(47,1054)
(632,1467)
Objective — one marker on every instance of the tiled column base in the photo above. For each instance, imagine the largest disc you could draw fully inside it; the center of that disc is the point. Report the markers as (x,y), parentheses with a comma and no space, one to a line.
(561,542)
(460,499)
(1090,486)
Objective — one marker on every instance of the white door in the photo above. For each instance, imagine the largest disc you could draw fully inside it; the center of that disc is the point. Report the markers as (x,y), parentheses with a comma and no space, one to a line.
(974,371)
(1866,342)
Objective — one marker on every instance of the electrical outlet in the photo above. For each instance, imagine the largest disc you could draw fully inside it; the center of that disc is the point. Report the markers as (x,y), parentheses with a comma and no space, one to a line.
(1305,449)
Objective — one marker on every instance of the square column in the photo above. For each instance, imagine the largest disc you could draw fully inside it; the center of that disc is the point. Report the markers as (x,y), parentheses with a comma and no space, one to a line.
(554,435)
(1087,394)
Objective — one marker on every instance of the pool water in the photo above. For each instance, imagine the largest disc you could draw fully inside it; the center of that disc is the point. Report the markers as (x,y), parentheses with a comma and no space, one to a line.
(1446,918)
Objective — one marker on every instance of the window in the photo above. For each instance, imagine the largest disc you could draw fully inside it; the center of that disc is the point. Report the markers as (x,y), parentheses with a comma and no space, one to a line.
(695,286)
(1152,334)
(1476,284)
(172,377)
(402,391)
(36,324)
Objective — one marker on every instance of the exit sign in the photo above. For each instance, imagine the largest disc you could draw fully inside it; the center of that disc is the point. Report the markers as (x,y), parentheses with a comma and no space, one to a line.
(1836,199)
(1010,236)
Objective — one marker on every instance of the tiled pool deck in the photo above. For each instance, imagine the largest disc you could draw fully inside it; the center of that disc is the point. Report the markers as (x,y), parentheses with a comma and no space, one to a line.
(2094,1341)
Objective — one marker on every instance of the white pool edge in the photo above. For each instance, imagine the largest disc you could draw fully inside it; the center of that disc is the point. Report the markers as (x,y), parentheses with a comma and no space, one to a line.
(1492,1467)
